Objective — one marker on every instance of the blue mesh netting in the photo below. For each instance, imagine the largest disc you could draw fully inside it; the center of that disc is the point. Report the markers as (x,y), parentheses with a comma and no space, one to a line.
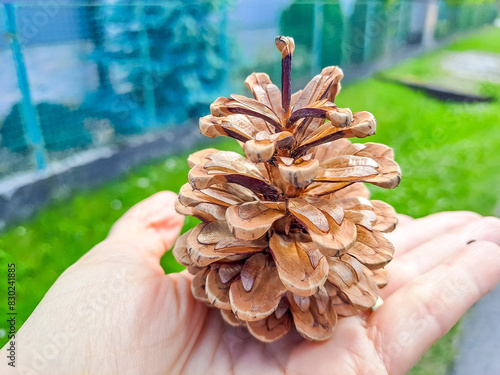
(103,70)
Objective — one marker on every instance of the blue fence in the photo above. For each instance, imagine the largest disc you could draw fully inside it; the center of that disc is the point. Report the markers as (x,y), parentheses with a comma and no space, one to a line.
(75,77)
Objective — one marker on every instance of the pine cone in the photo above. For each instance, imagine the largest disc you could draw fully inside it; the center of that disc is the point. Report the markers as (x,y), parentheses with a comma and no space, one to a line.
(288,235)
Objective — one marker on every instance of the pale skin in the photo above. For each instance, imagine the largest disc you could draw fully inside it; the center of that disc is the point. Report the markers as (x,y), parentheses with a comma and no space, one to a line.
(115,311)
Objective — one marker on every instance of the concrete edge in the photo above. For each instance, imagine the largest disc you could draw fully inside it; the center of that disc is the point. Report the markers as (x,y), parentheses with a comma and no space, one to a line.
(22,195)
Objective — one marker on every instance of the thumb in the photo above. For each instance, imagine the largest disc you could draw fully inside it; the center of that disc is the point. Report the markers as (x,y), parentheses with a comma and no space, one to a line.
(152,224)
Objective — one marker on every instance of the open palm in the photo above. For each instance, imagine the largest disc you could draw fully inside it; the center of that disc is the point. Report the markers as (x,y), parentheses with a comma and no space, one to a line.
(116,312)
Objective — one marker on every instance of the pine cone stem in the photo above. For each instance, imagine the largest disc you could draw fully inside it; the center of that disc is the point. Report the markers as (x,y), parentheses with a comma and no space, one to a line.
(286,46)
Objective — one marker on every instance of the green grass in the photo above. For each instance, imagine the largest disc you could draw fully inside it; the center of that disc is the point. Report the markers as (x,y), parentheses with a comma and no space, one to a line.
(448,153)
(484,40)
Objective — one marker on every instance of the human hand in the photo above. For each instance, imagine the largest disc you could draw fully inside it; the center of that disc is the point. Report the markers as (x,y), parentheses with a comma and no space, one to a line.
(115,311)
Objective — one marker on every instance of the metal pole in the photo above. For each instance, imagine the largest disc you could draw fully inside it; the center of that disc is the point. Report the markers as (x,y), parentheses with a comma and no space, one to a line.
(431,19)
(370,14)
(31,126)
(400,34)
(224,47)
(346,40)
(317,37)
(147,80)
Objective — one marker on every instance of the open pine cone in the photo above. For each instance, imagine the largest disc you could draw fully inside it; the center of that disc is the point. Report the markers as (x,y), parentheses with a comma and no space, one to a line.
(288,236)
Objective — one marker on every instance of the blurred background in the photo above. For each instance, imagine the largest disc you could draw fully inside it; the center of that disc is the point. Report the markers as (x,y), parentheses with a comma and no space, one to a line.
(99,103)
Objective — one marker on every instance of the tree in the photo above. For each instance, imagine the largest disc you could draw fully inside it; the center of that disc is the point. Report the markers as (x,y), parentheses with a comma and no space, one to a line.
(163,60)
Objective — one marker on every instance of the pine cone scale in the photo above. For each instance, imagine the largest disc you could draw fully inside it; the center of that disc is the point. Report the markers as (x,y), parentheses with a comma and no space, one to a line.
(264,293)
(294,267)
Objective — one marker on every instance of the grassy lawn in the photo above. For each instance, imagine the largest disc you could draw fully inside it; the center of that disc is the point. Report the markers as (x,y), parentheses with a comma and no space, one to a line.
(448,153)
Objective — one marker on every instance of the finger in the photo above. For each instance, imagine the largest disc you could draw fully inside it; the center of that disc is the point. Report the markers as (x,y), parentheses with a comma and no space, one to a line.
(404,220)
(419,231)
(414,317)
(186,274)
(152,224)
(432,253)
(348,351)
